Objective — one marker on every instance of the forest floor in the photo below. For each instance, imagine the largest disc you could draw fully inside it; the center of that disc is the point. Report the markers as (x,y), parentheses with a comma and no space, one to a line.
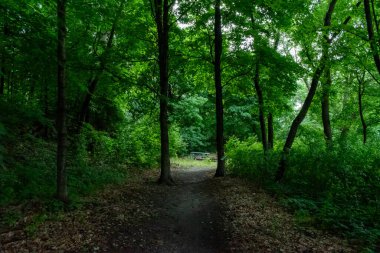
(199,214)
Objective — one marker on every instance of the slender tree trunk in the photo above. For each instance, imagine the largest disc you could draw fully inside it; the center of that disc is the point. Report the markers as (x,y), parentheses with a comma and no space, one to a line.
(309,98)
(161,8)
(32,88)
(270,115)
(46,106)
(6,33)
(375,17)
(360,100)
(326,86)
(219,91)
(260,99)
(371,35)
(61,114)
(2,77)
(11,83)
(270,131)
(84,112)
(94,80)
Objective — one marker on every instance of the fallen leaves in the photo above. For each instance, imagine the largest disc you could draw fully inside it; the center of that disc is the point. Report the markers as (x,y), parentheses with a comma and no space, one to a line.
(230,214)
(258,224)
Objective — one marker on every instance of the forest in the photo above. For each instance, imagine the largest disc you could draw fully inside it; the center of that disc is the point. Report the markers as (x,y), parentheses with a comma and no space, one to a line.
(100,97)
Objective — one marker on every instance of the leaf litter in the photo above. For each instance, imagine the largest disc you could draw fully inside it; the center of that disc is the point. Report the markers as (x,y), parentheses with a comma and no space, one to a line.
(198,214)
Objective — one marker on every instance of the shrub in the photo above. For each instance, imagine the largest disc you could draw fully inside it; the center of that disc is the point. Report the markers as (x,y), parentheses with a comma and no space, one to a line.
(336,188)
(247,159)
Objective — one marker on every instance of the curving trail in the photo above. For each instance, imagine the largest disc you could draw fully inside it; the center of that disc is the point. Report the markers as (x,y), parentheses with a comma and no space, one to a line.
(199,214)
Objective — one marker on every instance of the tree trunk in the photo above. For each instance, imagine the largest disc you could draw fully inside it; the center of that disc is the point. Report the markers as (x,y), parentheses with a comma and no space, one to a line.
(360,100)
(84,112)
(162,21)
(375,17)
(309,98)
(10,89)
(260,99)
(46,106)
(6,33)
(61,114)
(2,77)
(270,131)
(326,86)
(219,91)
(94,80)
(371,35)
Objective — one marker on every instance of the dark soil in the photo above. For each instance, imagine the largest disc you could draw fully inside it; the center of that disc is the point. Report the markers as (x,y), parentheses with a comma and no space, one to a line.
(189,219)
(199,214)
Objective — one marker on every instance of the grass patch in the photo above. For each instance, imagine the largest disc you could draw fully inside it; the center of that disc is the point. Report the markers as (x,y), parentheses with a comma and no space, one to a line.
(187,162)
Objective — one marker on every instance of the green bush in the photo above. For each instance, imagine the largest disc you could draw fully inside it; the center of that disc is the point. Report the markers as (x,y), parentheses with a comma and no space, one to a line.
(138,143)
(247,159)
(29,173)
(336,188)
(177,144)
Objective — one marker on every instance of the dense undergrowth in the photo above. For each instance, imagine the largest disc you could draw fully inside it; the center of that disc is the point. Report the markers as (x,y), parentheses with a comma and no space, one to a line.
(95,158)
(335,188)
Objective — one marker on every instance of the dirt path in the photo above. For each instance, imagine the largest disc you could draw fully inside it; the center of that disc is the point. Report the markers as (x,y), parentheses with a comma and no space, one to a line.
(188,218)
(199,214)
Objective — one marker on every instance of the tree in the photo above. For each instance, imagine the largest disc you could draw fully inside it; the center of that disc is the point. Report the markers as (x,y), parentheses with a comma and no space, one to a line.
(61,103)
(371,34)
(161,15)
(219,91)
(309,98)
(325,103)
(361,89)
(260,98)
(95,78)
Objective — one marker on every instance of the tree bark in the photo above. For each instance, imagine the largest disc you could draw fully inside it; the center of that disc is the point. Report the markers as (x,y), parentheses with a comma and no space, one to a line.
(84,112)
(2,77)
(309,98)
(270,131)
(371,35)
(46,106)
(161,8)
(220,171)
(360,101)
(94,80)
(260,99)
(6,33)
(375,17)
(61,114)
(326,86)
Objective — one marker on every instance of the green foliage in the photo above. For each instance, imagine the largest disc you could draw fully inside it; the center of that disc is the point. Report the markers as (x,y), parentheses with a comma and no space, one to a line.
(138,143)
(32,227)
(246,158)
(336,188)
(189,117)
(177,144)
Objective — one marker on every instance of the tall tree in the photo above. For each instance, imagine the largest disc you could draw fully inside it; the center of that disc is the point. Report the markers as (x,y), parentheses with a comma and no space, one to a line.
(371,34)
(260,99)
(161,14)
(61,103)
(2,75)
(219,90)
(361,90)
(270,131)
(309,98)
(325,103)
(95,78)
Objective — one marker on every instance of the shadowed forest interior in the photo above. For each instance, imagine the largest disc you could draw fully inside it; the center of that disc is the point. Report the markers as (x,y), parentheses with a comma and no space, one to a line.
(172,110)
